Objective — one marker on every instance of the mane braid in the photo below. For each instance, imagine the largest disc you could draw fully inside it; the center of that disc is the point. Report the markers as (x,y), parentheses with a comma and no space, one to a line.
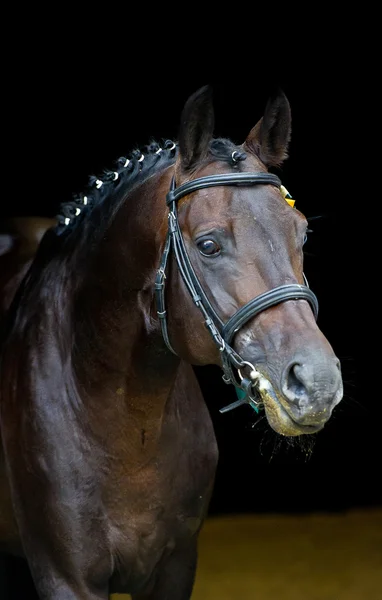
(125,173)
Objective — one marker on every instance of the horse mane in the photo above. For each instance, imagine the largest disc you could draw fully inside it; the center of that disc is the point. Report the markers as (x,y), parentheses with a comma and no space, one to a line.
(114,183)
(127,172)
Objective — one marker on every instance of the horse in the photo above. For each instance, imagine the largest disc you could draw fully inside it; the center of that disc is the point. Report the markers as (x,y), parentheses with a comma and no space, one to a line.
(186,253)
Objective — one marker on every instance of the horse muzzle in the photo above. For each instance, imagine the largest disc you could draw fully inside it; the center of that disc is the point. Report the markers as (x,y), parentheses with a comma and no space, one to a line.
(302,399)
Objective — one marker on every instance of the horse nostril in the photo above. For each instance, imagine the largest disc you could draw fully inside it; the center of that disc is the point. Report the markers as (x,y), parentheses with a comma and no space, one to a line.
(294,385)
(312,388)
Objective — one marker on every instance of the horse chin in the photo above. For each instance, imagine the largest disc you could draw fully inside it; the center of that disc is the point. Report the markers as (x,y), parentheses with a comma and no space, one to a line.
(277,415)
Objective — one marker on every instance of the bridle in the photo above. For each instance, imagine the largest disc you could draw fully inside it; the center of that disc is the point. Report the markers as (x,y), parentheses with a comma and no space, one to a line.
(222,333)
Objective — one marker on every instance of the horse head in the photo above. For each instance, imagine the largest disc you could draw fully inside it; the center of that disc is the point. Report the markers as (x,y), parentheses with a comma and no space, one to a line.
(238,261)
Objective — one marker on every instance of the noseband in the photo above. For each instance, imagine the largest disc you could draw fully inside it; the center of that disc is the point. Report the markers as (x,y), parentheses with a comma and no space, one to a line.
(222,333)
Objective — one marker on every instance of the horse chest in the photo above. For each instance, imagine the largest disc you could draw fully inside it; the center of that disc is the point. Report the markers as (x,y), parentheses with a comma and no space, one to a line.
(164,494)
(156,518)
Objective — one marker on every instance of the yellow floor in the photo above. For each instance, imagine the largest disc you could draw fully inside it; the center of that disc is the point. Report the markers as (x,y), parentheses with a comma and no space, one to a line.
(313,557)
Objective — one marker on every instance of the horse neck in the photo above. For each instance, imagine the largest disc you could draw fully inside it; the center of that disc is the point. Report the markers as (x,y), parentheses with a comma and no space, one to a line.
(118,343)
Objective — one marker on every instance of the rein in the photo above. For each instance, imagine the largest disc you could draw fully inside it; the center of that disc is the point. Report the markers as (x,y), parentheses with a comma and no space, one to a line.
(222,333)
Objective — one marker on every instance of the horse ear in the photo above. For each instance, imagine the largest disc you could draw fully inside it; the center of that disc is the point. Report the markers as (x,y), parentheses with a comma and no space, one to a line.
(196,127)
(269,138)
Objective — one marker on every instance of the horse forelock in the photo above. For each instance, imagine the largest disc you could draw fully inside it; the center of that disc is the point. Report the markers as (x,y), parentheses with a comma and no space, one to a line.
(224,149)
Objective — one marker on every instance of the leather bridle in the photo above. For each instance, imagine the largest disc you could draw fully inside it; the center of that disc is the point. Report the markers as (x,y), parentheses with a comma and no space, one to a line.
(222,333)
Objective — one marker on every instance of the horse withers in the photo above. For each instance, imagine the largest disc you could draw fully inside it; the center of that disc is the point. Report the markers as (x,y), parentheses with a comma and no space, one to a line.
(186,253)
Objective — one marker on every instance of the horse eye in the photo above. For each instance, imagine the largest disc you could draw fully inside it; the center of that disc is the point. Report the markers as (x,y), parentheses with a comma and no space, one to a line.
(208,247)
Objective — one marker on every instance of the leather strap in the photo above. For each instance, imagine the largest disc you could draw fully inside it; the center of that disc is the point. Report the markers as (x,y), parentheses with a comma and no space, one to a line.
(264,301)
(224,179)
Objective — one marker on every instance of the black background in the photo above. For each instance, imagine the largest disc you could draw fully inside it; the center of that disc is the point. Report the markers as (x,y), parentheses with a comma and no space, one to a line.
(73,113)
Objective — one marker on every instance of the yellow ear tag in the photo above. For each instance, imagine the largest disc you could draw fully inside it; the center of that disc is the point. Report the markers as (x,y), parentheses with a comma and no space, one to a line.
(287,196)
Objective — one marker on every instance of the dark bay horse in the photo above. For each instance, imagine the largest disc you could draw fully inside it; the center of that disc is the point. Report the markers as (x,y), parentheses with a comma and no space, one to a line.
(187,253)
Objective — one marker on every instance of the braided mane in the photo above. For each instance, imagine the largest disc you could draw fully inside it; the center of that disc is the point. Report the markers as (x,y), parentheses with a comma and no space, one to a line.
(124,174)
(127,171)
